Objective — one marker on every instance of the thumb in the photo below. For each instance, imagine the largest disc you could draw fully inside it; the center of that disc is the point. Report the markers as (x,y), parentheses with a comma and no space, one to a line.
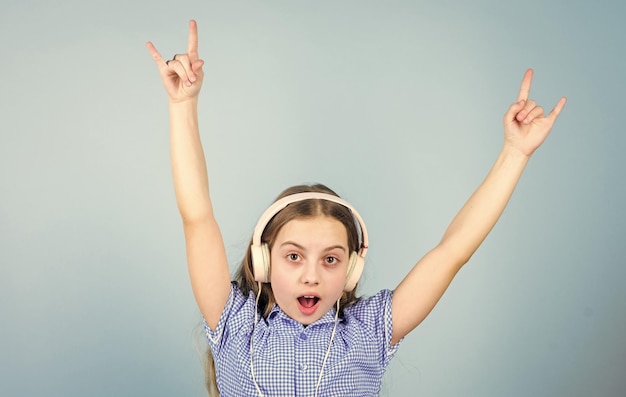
(513,110)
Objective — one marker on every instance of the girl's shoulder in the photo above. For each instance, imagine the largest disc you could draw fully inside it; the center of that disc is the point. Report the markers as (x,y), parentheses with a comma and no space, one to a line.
(371,311)
(238,313)
(368,325)
(371,305)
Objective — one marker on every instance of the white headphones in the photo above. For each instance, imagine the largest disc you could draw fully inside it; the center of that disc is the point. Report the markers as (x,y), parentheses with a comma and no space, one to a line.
(261,252)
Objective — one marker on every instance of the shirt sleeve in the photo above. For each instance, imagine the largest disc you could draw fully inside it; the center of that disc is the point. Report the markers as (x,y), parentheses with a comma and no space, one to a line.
(237,311)
(375,314)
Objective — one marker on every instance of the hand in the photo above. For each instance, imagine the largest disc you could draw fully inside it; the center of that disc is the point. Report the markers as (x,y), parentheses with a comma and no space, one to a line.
(182,76)
(525,125)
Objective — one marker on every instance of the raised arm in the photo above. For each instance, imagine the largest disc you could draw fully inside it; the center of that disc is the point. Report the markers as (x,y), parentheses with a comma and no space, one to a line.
(206,256)
(525,128)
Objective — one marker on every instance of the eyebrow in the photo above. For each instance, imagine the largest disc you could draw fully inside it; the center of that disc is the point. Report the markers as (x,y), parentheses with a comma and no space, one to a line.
(332,247)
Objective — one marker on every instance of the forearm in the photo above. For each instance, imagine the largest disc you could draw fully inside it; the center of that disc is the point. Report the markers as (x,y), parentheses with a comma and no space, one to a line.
(483,209)
(188,163)
(525,128)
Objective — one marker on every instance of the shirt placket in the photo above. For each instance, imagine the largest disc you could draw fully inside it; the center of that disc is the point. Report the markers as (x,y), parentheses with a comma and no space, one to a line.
(304,368)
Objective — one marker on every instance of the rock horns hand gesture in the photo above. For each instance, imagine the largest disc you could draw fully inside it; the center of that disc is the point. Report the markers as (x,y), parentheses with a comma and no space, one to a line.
(182,75)
(525,124)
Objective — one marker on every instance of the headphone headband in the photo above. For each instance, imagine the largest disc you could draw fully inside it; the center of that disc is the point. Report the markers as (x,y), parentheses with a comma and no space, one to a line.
(294,198)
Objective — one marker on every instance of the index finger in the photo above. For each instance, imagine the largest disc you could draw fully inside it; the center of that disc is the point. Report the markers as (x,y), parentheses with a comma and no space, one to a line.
(524,89)
(192,43)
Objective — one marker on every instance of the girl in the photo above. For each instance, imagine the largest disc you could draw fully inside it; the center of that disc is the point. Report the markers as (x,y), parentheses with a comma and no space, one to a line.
(295,327)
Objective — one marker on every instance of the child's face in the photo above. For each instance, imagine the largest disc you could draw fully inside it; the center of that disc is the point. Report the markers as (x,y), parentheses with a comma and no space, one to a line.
(309,261)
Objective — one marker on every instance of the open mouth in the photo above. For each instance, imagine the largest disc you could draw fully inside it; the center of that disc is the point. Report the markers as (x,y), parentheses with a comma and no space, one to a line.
(308,301)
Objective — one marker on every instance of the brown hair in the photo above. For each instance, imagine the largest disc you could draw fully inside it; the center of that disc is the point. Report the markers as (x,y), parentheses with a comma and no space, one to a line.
(301,209)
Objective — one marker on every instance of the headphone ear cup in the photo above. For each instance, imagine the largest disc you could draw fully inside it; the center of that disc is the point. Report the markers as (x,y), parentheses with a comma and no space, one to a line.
(261,262)
(355,268)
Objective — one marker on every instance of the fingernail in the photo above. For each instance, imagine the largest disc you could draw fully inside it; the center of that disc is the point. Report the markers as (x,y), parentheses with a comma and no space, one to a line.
(188,84)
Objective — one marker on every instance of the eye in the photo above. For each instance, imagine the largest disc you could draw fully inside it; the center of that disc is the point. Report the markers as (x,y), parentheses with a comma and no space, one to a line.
(293,257)
(331,260)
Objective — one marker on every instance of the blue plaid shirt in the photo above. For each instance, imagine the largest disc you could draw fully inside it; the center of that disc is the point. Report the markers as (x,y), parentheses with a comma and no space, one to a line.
(288,356)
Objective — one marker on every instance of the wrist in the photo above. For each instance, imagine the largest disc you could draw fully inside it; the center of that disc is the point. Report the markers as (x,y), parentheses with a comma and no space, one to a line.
(182,102)
(512,158)
(513,153)
(184,113)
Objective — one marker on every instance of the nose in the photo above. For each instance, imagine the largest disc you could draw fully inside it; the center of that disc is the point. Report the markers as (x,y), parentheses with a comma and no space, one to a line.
(310,275)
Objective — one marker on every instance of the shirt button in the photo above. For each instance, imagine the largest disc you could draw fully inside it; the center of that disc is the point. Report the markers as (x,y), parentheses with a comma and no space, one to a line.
(303,336)
(303,367)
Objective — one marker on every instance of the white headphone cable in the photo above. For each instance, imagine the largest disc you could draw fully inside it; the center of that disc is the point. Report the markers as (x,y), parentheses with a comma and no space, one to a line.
(256,318)
(332,336)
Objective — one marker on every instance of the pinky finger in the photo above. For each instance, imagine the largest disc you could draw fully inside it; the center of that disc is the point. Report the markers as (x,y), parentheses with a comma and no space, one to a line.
(156,55)
(557,109)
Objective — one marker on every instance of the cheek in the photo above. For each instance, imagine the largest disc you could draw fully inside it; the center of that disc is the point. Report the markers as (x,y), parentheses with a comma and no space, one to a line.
(337,279)
(279,279)
(335,290)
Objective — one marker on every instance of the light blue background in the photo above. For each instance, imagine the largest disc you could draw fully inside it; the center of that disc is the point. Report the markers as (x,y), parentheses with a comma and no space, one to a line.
(396,105)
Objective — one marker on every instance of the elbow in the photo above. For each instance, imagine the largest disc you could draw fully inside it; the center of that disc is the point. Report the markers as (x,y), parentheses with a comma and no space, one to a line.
(453,255)
(196,218)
